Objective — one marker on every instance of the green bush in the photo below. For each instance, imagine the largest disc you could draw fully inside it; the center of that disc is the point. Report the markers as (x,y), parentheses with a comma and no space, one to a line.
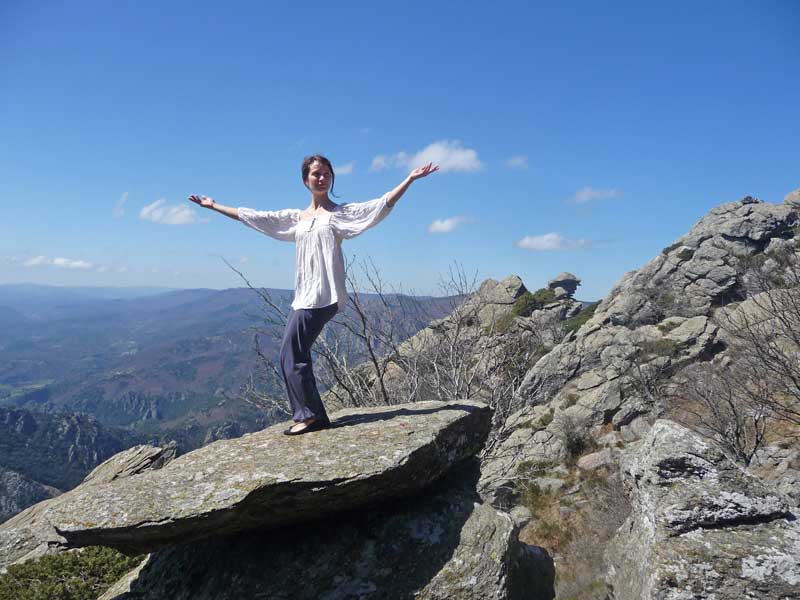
(527,302)
(576,322)
(82,575)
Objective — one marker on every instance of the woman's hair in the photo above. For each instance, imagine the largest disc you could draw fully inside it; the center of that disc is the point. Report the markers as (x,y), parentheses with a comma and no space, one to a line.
(305,169)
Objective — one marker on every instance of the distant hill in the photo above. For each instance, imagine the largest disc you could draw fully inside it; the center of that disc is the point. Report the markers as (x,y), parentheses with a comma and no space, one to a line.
(164,365)
(57,450)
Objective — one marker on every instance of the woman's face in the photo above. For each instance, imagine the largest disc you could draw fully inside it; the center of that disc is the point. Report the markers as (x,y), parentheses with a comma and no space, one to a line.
(319,178)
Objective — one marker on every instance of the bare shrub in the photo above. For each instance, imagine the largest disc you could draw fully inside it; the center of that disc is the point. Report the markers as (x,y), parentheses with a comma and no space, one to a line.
(764,331)
(726,405)
(574,435)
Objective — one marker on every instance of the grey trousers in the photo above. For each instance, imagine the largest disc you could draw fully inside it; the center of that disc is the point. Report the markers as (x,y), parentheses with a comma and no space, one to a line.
(303,327)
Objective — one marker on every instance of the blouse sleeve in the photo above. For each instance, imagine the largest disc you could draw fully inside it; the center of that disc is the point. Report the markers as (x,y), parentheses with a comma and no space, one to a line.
(278,224)
(354,219)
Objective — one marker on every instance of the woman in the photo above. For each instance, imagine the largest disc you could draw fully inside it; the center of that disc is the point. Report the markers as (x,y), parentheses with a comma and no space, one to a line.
(319,291)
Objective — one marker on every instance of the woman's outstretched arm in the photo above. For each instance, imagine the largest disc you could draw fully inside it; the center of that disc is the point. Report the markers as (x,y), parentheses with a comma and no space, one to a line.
(207,202)
(397,192)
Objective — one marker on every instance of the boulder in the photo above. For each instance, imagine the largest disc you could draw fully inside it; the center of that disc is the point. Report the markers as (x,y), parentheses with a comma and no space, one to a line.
(132,462)
(700,527)
(266,479)
(793,198)
(440,545)
(564,285)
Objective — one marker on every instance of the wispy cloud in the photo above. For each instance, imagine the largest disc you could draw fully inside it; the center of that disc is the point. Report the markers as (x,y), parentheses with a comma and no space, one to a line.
(60,262)
(588,194)
(344,169)
(520,161)
(36,261)
(450,155)
(68,263)
(176,214)
(447,225)
(552,241)
(119,209)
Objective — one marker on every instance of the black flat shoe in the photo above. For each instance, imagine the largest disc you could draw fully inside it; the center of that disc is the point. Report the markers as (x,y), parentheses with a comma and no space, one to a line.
(315,426)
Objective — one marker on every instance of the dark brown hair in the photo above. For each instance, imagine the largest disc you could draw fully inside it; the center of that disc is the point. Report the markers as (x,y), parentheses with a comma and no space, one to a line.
(305,169)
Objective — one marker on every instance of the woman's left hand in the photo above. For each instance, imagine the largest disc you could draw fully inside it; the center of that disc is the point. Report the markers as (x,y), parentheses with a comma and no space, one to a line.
(423,171)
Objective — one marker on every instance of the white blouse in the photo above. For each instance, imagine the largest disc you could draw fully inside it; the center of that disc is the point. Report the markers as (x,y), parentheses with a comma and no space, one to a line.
(319,265)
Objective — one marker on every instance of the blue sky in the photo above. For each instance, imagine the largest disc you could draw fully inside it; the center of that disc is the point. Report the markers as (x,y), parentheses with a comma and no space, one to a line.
(578,136)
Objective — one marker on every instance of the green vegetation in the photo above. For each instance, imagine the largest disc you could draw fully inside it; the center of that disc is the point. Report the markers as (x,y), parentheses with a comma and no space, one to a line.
(527,302)
(524,306)
(670,248)
(576,322)
(82,575)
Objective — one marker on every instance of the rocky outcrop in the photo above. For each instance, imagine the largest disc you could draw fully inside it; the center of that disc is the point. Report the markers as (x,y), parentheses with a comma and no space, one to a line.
(702,268)
(653,323)
(30,534)
(132,462)
(700,527)
(564,285)
(266,479)
(602,387)
(441,545)
(793,198)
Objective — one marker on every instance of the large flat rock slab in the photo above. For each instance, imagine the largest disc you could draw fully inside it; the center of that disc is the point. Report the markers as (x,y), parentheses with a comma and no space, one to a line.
(266,479)
(442,544)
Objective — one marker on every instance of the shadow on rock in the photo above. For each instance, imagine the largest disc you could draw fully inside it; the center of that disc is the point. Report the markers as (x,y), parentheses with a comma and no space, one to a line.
(443,544)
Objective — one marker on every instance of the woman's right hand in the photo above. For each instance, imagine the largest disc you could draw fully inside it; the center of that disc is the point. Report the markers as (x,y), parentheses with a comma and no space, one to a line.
(203,201)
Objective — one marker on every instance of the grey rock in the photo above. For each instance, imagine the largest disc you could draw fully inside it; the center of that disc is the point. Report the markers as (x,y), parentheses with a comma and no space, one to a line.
(595,460)
(266,479)
(635,430)
(132,462)
(567,283)
(780,466)
(700,527)
(560,293)
(793,198)
(441,545)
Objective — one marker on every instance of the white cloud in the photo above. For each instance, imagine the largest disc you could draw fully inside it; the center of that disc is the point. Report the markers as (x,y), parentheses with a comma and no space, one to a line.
(518,162)
(36,261)
(102,269)
(450,155)
(68,263)
(119,209)
(379,163)
(160,212)
(588,193)
(121,270)
(447,225)
(551,241)
(344,169)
